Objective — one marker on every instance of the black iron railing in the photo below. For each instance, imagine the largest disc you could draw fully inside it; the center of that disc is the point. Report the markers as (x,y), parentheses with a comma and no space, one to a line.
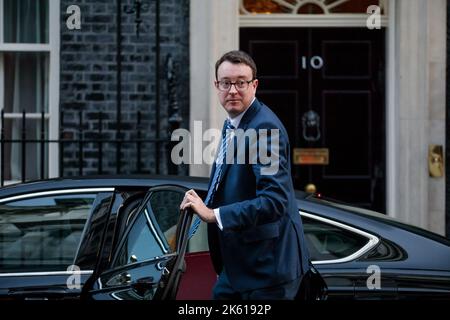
(23,141)
(135,144)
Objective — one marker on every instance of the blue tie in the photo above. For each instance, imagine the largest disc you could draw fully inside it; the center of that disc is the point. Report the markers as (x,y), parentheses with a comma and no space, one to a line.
(221,156)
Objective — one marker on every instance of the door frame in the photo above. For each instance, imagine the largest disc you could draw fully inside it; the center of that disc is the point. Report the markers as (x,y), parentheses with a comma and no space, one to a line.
(388,22)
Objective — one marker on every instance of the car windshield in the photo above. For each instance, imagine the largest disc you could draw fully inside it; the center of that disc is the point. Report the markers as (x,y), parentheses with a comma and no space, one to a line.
(381,217)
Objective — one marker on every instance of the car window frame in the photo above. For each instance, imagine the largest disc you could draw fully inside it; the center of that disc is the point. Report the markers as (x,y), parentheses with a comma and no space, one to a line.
(372,242)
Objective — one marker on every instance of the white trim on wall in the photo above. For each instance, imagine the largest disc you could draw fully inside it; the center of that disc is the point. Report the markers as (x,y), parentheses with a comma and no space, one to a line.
(214,30)
(1,22)
(2,85)
(25,47)
(53,107)
(391,116)
(2,75)
(306,20)
(53,50)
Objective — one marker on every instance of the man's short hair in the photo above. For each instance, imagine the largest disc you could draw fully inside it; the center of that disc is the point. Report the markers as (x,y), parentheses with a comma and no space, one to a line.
(237,57)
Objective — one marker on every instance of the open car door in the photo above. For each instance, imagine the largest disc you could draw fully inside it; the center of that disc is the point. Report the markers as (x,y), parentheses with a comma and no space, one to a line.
(313,287)
(149,258)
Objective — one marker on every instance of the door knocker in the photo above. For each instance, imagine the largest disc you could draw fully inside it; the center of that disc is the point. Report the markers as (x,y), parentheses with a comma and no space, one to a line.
(311,126)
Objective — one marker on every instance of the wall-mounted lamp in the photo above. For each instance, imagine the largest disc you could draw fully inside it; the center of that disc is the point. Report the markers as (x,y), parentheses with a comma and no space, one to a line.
(436,161)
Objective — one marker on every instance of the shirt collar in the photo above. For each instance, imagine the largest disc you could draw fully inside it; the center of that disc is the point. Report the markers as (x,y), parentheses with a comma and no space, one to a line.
(236,120)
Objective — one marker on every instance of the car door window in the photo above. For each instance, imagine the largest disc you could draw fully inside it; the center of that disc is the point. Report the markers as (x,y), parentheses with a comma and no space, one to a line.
(153,233)
(165,205)
(329,242)
(143,242)
(42,233)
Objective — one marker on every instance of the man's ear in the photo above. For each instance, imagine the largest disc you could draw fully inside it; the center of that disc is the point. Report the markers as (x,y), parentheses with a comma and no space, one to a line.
(255,83)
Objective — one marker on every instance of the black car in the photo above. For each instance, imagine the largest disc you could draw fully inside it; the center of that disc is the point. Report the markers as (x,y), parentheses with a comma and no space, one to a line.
(95,238)
(362,254)
(122,238)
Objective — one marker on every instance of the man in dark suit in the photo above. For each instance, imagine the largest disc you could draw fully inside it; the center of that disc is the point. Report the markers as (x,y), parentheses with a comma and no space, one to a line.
(255,232)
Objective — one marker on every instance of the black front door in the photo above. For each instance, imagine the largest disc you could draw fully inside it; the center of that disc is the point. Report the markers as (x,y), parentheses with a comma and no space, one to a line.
(327,87)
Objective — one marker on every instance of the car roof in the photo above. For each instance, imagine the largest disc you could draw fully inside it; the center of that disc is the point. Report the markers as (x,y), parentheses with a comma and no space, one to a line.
(199,183)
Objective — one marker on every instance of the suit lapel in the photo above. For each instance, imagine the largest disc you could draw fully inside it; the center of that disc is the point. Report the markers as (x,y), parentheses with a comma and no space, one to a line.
(249,114)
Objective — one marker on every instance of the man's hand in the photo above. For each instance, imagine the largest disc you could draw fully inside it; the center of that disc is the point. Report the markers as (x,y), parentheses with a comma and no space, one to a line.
(193,201)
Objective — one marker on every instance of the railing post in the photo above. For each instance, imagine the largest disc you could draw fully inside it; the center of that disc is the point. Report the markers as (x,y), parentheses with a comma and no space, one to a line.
(61,144)
(100,143)
(139,144)
(42,144)
(80,145)
(174,115)
(23,143)
(2,149)
(118,151)
(119,81)
(157,90)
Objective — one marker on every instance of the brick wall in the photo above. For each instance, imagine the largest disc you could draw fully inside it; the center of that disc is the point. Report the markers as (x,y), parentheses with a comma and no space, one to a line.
(89,81)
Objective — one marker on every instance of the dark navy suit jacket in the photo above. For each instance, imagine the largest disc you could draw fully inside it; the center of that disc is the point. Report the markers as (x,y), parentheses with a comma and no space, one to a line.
(262,242)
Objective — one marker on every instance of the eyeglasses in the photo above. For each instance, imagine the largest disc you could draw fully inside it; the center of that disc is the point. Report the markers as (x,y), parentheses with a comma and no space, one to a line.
(240,85)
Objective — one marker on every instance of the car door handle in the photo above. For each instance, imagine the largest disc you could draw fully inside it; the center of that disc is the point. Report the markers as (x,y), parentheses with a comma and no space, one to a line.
(142,285)
(120,279)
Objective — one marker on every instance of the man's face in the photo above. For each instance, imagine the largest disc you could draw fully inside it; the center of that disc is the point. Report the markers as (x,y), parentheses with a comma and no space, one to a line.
(235,100)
